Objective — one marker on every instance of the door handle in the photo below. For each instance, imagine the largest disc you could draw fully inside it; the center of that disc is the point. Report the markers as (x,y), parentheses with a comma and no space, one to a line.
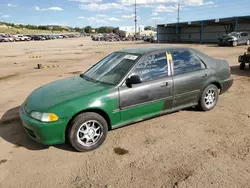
(164,84)
(204,75)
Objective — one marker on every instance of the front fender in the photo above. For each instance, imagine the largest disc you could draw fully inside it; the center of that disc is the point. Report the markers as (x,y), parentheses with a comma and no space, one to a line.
(105,101)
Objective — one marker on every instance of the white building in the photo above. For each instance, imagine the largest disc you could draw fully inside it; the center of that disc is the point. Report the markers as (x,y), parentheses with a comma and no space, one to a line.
(125,31)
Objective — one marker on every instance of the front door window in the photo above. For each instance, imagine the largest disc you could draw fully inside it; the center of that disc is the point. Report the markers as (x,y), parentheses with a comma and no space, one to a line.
(153,67)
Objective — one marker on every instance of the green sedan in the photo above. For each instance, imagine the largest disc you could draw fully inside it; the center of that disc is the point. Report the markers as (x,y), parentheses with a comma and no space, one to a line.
(127,86)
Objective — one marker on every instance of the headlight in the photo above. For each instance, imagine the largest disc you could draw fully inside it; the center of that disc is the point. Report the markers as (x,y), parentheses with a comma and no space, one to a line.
(232,39)
(44,117)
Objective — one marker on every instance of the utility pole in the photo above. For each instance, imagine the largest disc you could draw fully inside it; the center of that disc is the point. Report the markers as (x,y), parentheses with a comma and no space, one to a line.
(135,18)
(178,20)
(178,17)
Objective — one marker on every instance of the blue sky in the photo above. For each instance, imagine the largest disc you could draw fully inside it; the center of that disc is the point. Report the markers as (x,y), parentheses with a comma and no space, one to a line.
(79,13)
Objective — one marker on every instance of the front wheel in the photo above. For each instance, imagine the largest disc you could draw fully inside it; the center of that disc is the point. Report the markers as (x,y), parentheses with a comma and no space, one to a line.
(209,98)
(87,131)
(235,43)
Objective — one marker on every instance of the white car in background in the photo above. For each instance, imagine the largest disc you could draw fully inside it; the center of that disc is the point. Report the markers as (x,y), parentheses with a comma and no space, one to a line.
(23,38)
(3,38)
(11,39)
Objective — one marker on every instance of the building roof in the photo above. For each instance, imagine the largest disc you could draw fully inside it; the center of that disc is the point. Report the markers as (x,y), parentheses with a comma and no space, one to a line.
(220,21)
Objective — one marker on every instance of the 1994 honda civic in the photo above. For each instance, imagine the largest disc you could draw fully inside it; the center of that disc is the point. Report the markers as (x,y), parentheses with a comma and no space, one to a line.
(127,86)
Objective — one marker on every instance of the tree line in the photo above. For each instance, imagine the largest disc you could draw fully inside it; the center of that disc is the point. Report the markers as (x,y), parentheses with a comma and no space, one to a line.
(87,29)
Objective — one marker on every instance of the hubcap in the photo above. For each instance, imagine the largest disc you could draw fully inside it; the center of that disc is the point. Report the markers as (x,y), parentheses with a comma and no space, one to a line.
(210,98)
(89,133)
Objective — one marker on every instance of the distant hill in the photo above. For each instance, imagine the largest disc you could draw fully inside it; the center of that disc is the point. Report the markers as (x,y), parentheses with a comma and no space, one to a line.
(22,28)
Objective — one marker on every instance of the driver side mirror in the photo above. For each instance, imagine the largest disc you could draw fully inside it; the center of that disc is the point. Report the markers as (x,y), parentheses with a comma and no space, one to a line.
(134,79)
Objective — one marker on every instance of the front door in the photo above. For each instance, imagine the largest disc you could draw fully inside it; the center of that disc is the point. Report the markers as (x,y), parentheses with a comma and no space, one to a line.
(153,95)
(189,75)
(242,38)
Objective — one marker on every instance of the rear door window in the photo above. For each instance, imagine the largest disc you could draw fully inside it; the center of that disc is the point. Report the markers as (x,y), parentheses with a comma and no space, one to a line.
(185,61)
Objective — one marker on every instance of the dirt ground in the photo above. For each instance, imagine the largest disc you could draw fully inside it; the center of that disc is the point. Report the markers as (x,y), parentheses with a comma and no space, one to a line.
(184,149)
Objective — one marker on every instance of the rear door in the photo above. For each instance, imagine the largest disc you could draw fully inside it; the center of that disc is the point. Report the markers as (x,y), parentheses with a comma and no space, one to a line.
(153,95)
(189,75)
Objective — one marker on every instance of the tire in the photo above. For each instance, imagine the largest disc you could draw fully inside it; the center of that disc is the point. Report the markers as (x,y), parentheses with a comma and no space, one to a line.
(87,122)
(248,42)
(242,66)
(235,43)
(209,98)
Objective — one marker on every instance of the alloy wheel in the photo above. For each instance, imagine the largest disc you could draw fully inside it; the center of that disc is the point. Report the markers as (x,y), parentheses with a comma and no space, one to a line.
(89,133)
(210,98)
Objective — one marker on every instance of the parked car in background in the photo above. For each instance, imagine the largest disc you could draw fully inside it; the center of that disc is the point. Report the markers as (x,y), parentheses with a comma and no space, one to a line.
(4,38)
(52,37)
(234,39)
(59,36)
(147,38)
(46,37)
(99,37)
(23,38)
(37,37)
(153,39)
(12,37)
(125,87)
(1,39)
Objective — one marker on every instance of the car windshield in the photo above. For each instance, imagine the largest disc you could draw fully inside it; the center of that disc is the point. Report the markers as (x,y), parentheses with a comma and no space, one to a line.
(111,69)
(233,34)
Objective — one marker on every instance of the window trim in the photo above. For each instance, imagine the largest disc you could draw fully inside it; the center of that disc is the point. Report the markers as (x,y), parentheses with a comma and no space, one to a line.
(192,52)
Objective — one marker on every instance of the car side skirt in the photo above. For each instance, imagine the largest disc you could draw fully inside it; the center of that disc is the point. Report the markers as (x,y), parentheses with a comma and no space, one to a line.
(154,116)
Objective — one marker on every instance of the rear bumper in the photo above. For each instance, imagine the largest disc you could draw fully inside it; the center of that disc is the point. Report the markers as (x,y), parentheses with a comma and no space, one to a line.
(226,85)
(44,133)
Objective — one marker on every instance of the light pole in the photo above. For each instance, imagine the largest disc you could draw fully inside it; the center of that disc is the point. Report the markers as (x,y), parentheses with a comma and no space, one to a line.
(135,19)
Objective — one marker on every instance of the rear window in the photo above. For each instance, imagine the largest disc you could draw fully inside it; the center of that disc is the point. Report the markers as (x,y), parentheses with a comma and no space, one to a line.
(185,61)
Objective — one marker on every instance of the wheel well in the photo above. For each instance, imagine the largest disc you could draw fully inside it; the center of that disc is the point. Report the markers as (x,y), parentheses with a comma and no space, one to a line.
(217,85)
(98,111)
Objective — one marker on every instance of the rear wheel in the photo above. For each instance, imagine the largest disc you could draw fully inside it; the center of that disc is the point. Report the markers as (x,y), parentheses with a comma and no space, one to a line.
(209,98)
(242,66)
(87,131)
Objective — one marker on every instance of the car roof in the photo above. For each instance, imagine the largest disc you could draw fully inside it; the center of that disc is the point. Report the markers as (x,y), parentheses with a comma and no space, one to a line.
(145,50)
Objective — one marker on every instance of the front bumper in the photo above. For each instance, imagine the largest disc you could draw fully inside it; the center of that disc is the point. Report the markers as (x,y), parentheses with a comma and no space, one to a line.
(225,42)
(44,133)
(225,85)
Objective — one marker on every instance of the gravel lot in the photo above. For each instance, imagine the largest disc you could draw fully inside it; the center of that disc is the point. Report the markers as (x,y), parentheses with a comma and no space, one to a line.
(184,149)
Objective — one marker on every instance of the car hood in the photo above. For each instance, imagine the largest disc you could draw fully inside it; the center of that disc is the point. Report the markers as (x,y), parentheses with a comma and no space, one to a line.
(61,91)
(226,37)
